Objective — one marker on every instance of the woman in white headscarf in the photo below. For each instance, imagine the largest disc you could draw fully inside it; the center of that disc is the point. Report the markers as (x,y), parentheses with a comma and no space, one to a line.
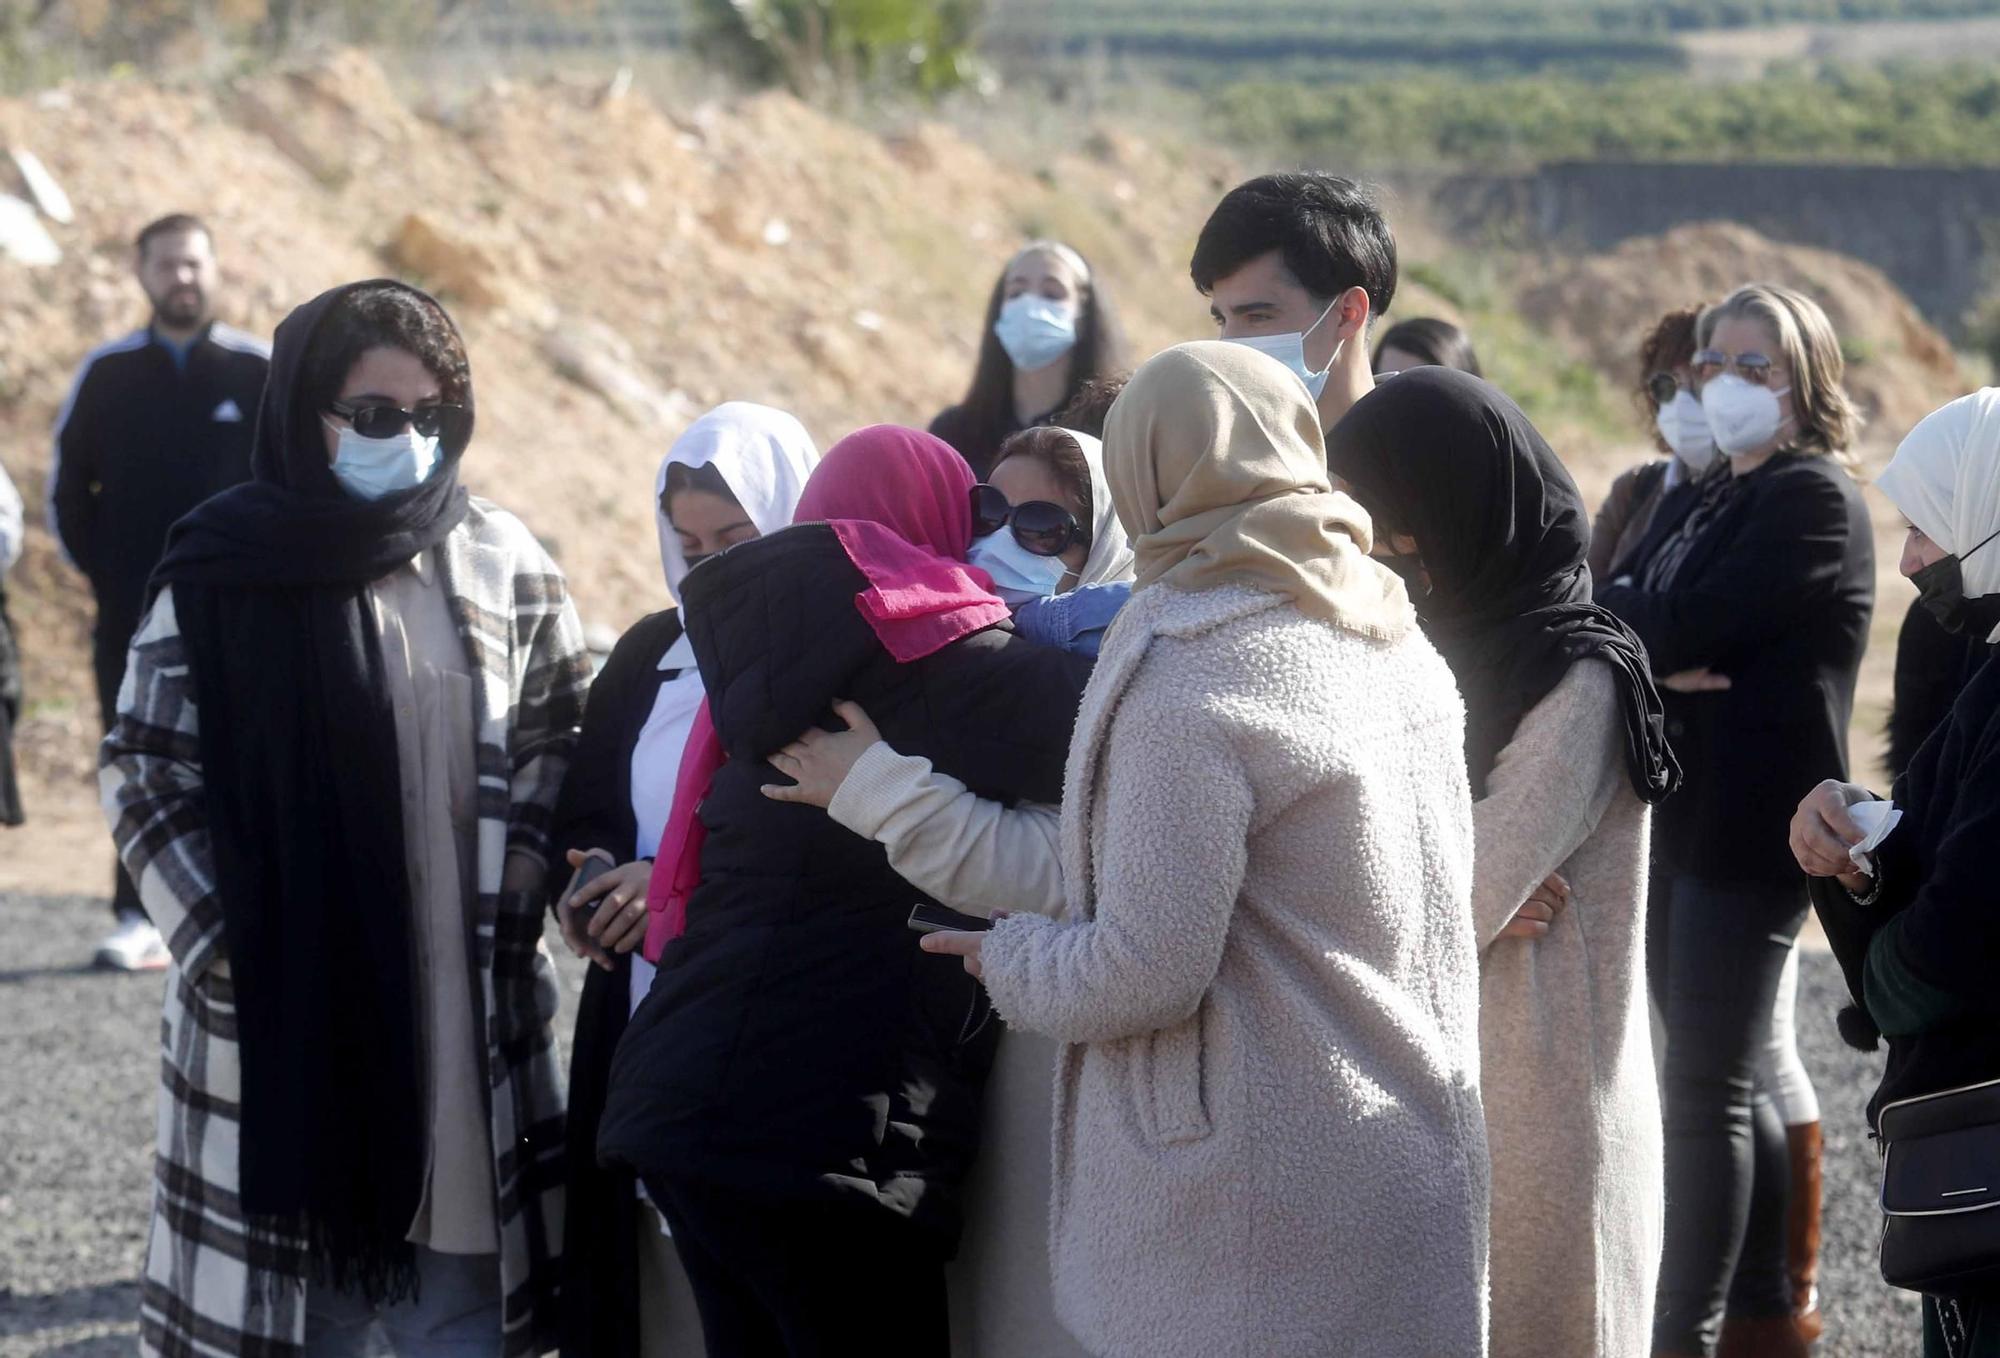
(736,474)
(1914,926)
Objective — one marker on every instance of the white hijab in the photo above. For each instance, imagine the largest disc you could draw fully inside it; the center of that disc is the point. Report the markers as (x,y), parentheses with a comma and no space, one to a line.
(1945,478)
(764,456)
(1110,558)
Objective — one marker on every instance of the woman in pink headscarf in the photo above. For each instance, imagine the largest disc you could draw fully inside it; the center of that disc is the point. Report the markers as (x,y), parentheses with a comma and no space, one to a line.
(800,1090)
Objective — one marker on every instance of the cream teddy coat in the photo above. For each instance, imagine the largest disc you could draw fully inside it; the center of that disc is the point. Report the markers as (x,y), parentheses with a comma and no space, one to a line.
(1268,1140)
(1572,1110)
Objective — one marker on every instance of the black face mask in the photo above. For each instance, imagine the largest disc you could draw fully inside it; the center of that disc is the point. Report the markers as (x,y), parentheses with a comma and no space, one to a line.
(1941,590)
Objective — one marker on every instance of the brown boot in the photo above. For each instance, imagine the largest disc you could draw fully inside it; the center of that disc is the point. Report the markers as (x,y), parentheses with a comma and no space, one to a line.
(1761,1337)
(1802,1228)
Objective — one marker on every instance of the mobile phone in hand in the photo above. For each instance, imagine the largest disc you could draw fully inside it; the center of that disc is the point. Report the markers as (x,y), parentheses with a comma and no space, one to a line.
(595,864)
(936,919)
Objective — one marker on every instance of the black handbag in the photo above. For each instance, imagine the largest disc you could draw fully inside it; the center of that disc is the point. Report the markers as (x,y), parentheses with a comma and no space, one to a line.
(1941,1191)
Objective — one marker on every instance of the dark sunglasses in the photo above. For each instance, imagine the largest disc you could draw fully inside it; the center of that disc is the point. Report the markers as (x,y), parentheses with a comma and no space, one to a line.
(1663,387)
(387,421)
(1042,528)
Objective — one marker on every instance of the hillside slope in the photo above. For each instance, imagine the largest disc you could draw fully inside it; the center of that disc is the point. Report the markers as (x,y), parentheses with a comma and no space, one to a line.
(618,266)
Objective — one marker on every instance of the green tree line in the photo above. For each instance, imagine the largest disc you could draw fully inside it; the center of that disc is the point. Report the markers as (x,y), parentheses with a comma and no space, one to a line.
(1904,115)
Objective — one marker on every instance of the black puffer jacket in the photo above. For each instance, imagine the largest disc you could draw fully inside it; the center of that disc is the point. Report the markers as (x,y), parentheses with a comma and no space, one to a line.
(797,1042)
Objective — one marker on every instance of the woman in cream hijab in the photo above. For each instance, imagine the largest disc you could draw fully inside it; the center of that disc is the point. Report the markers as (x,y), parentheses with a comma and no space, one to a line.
(1269,1131)
(1268,1135)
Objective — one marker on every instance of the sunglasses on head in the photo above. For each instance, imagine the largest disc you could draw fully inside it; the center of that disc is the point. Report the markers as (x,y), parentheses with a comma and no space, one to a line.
(1042,528)
(1754,368)
(374,421)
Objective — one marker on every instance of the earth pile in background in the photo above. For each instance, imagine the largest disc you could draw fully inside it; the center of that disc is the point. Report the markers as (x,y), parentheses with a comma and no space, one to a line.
(619,264)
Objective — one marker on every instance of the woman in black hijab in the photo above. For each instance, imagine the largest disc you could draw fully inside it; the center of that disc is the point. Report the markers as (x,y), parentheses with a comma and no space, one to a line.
(1566,751)
(343,727)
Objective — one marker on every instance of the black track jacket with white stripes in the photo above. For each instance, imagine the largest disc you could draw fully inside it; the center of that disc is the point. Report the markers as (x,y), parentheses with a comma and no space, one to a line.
(141,440)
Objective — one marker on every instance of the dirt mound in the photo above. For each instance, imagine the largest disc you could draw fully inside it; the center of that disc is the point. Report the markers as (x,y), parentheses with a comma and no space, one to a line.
(1899,367)
(617,265)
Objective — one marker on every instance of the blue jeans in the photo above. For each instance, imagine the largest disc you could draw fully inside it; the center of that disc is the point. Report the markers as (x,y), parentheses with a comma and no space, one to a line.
(455,1314)
(1717,953)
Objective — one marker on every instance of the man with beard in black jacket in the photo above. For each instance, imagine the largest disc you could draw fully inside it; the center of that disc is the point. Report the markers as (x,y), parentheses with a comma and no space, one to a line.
(155,423)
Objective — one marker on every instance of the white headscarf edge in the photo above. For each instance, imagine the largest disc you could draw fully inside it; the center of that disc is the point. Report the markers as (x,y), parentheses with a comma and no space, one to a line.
(768,486)
(1945,478)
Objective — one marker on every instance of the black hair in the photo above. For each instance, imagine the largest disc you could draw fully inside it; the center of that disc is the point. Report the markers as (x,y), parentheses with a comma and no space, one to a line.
(173,224)
(1438,343)
(1329,231)
(707,478)
(1086,410)
(989,401)
(379,316)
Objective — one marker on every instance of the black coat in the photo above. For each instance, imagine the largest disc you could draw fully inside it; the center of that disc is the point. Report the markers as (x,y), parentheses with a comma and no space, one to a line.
(1776,594)
(600,1272)
(1938,892)
(797,1043)
(142,440)
(1932,667)
(11,698)
(975,440)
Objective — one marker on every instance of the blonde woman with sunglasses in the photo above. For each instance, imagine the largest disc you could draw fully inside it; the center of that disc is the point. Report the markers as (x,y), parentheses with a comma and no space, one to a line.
(1763,590)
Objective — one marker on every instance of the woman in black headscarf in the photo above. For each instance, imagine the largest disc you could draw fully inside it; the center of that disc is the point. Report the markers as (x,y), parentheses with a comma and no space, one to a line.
(1565,748)
(343,727)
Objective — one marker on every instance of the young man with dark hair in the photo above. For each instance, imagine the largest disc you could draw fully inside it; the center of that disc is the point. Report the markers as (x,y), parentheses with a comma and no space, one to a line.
(155,423)
(1298,265)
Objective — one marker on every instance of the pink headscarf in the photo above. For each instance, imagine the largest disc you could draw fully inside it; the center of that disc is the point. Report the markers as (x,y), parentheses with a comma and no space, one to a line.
(899,501)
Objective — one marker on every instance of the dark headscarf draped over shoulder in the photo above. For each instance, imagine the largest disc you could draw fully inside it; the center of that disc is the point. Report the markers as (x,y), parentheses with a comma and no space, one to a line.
(303,799)
(1447,459)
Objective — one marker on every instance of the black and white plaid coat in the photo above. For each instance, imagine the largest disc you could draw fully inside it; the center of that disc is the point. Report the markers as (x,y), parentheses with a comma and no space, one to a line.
(211,1286)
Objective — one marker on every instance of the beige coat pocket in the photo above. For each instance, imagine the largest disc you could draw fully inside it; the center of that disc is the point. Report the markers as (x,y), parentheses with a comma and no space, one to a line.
(1167,1084)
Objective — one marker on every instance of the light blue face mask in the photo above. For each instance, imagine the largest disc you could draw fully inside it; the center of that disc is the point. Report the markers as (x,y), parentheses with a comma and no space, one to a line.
(1290,350)
(369,469)
(1035,331)
(1018,574)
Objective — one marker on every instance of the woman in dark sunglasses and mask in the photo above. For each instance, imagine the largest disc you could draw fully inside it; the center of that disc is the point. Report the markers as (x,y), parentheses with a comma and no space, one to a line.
(1754,604)
(1047,534)
(342,730)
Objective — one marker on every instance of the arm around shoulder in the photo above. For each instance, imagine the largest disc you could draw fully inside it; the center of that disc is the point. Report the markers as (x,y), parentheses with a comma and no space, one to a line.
(973,854)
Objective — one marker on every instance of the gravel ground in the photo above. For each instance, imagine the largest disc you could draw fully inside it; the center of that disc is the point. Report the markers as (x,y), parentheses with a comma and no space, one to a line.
(77,1074)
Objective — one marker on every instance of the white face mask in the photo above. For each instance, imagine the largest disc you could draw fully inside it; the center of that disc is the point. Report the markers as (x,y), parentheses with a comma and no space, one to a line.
(1018,574)
(1742,417)
(1684,425)
(369,469)
(1035,331)
(1290,350)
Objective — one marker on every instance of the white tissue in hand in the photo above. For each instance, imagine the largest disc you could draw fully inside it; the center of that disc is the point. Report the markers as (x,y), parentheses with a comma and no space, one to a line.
(1876,820)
